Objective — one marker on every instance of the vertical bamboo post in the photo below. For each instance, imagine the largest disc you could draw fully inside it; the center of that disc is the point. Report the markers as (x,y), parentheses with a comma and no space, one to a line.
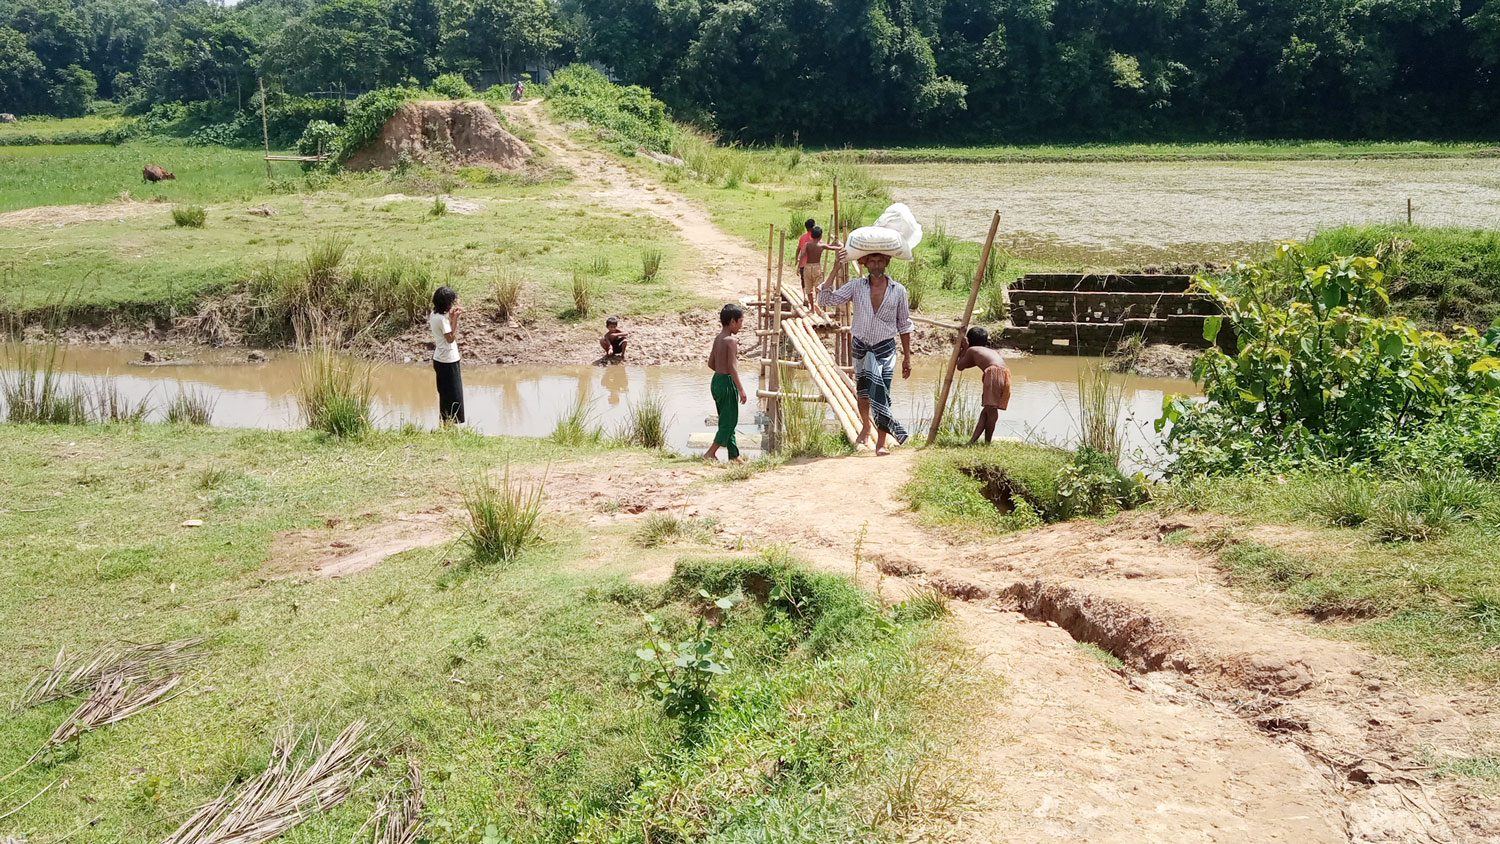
(773,404)
(265,133)
(1408,210)
(834,227)
(765,315)
(963,326)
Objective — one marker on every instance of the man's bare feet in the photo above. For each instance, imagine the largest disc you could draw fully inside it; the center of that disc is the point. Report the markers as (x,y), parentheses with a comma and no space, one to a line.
(882,452)
(737,460)
(864,436)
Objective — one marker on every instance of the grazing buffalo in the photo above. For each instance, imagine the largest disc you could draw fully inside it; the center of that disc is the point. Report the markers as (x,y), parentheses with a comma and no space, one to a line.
(155,173)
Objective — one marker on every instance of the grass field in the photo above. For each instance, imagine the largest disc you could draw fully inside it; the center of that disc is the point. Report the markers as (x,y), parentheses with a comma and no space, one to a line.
(507,683)
(65,175)
(139,263)
(67,130)
(1227,151)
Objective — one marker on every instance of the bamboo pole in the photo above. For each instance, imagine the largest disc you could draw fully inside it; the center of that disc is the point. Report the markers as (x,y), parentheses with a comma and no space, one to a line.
(963,325)
(834,229)
(265,132)
(767,394)
(825,375)
(773,405)
(768,297)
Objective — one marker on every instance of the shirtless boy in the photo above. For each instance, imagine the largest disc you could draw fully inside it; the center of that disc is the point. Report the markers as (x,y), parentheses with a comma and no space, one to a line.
(975,352)
(723,359)
(810,262)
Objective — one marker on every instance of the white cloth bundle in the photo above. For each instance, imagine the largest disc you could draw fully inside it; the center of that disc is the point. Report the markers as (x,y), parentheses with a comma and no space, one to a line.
(895,233)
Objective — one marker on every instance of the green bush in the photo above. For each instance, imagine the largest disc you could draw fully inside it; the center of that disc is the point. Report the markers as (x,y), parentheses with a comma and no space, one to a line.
(1318,375)
(625,113)
(453,86)
(823,610)
(367,114)
(193,216)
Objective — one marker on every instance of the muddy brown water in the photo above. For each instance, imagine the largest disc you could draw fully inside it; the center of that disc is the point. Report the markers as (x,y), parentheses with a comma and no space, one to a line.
(528,400)
(1117,213)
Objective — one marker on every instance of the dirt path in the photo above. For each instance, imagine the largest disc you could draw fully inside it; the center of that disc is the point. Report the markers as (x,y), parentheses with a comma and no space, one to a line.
(727,269)
(1227,723)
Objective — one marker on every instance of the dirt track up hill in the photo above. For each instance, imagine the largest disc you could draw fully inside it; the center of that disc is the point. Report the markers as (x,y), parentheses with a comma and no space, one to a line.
(459,131)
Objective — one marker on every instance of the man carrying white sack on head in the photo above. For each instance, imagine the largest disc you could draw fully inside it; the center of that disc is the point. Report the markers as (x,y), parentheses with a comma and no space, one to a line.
(881,314)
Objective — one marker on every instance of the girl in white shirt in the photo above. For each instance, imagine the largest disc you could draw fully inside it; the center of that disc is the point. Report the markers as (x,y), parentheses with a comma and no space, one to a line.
(444,326)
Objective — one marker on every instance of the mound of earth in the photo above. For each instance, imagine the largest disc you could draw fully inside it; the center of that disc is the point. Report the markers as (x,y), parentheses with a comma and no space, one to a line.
(460,131)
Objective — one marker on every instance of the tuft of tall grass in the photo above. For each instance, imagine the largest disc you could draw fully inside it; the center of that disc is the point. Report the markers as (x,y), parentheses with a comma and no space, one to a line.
(576,427)
(504,518)
(959,417)
(1345,502)
(191,216)
(803,433)
(33,388)
(328,295)
(647,426)
(191,407)
(925,604)
(1100,399)
(651,259)
(335,393)
(506,294)
(916,285)
(943,244)
(1428,505)
(583,294)
(439,206)
(108,404)
(664,528)
(599,265)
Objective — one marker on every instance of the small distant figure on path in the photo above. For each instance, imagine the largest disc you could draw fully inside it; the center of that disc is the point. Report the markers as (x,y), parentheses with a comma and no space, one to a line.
(807,226)
(444,326)
(974,352)
(614,342)
(810,263)
(723,359)
(518,92)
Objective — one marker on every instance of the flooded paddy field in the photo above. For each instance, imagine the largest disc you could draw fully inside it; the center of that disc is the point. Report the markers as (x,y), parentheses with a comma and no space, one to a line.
(528,400)
(1139,213)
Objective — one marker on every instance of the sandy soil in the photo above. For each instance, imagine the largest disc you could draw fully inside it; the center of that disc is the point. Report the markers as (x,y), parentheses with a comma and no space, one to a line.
(57,215)
(1227,723)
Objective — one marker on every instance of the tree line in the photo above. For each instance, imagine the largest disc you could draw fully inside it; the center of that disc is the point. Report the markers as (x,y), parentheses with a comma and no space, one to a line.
(823,71)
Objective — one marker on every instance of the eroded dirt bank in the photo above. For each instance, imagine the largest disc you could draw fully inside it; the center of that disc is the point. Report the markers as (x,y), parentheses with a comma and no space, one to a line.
(1226,723)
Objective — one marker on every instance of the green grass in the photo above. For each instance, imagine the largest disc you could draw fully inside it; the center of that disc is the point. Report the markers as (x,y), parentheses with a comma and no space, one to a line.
(142,266)
(1437,276)
(69,130)
(68,175)
(958,487)
(1435,602)
(508,684)
(1231,151)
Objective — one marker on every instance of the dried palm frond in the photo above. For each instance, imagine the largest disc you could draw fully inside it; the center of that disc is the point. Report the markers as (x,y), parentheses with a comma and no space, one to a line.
(114,698)
(71,676)
(396,815)
(283,794)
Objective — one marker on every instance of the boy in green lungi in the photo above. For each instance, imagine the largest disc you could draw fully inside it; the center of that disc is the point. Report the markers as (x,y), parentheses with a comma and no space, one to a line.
(723,359)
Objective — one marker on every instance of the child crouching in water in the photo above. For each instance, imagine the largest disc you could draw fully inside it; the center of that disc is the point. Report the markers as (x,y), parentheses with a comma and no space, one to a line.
(723,359)
(974,351)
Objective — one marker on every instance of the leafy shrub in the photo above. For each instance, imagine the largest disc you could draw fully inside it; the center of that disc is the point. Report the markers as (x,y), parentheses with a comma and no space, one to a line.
(1093,485)
(320,136)
(453,86)
(680,674)
(504,518)
(367,114)
(1317,375)
(625,112)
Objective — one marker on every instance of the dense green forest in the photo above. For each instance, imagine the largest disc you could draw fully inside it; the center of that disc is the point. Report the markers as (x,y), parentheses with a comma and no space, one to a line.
(824,71)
